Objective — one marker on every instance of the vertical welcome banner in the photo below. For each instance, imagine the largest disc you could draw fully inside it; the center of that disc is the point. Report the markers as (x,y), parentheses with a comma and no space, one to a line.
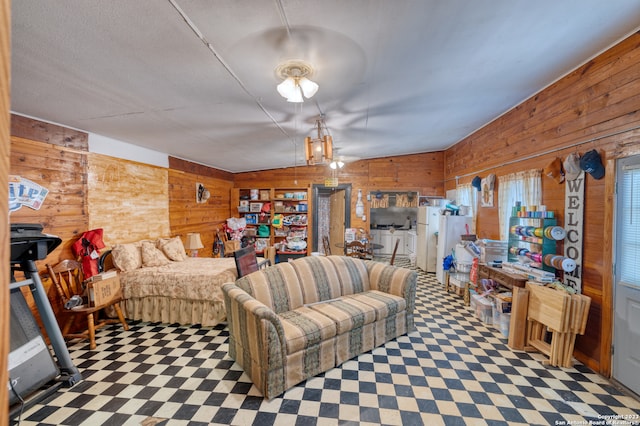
(573,224)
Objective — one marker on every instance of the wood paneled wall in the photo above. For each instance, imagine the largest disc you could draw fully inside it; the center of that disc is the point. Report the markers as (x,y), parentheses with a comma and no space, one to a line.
(185,215)
(62,171)
(596,106)
(129,200)
(417,172)
(60,165)
(5,125)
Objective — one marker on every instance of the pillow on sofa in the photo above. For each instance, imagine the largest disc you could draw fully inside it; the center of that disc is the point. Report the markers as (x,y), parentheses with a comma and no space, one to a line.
(127,257)
(151,256)
(173,248)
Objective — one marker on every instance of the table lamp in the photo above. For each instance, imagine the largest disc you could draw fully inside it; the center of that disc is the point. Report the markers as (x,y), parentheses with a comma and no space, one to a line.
(193,243)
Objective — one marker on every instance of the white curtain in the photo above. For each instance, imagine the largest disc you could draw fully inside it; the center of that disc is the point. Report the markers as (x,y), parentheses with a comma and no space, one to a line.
(467,195)
(525,187)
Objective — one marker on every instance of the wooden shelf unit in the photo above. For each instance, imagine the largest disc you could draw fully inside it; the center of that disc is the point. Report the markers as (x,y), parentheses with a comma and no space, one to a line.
(290,205)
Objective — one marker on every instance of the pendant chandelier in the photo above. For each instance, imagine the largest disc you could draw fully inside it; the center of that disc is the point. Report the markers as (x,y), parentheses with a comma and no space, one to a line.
(319,150)
(296,84)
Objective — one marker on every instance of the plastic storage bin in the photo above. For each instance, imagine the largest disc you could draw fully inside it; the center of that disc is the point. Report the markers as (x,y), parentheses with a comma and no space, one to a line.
(505,320)
(483,309)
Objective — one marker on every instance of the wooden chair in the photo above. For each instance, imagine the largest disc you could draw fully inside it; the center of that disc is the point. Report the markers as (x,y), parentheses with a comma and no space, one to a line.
(356,249)
(326,246)
(247,261)
(395,250)
(67,279)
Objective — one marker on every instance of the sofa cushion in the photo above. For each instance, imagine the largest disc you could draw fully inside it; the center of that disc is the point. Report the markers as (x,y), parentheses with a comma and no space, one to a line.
(304,327)
(348,313)
(318,278)
(390,279)
(277,287)
(353,274)
(385,305)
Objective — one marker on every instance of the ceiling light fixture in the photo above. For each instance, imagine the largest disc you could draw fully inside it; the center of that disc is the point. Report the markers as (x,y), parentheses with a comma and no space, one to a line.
(336,164)
(296,83)
(319,150)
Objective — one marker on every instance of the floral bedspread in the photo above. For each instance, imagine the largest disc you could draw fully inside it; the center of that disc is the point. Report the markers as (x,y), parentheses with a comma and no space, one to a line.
(195,279)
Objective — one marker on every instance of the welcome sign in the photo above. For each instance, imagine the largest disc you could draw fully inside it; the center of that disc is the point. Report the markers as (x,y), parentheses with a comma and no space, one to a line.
(573,224)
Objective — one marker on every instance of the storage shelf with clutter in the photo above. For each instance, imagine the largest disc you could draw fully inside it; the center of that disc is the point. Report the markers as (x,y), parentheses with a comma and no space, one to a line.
(276,217)
(533,237)
(523,296)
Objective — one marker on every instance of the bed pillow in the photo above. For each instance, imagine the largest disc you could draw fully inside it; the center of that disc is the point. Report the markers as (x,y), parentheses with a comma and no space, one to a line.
(173,248)
(126,257)
(151,256)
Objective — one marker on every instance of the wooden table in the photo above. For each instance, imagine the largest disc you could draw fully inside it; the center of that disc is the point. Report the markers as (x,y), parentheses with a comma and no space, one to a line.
(374,246)
(503,278)
(370,246)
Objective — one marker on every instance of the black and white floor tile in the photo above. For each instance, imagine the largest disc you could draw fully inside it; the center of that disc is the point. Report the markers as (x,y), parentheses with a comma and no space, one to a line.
(453,370)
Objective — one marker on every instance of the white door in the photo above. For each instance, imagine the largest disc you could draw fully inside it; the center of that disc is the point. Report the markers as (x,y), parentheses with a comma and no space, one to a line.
(432,238)
(626,328)
(411,243)
(387,240)
(402,245)
(421,247)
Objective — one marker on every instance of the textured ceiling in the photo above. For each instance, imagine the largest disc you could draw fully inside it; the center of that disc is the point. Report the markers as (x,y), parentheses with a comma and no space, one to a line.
(196,78)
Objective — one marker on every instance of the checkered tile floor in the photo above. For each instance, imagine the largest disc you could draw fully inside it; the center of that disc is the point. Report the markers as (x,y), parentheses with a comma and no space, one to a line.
(453,370)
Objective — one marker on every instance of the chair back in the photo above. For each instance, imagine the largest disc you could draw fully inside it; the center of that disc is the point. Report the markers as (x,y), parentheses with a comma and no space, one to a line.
(326,246)
(355,249)
(67,278)
(246,260)
(395,250)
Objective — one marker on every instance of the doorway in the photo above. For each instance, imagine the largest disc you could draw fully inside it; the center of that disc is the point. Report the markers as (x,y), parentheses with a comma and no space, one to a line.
(626,330)
(331,213)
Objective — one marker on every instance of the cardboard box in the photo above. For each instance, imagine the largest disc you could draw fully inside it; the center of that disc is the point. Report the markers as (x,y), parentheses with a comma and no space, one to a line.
(503,302)
(230,246)
(458,282)
(101,291)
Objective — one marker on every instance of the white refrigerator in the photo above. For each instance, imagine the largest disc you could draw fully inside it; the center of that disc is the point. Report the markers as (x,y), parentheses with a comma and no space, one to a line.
(427,226)
(450,230)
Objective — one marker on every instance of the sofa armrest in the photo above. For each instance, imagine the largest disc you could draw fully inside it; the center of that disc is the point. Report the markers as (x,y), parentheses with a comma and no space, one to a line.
(394,280)
(256,335)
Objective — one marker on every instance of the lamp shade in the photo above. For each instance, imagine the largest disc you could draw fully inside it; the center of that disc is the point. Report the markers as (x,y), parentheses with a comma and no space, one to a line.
(309,88)
(295,95)
(193,241)
(287,87)
(336,164)
(295,81)
(319,150)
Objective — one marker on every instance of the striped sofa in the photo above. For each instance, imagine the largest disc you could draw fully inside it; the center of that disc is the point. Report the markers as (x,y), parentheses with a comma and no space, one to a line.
(298,319)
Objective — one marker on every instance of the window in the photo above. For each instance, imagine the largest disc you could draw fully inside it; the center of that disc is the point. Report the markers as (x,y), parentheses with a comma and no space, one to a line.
(525,187)
(467,195)
(628,228)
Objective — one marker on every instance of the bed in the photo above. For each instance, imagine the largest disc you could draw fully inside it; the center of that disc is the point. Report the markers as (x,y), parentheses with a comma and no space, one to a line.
(161,284)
